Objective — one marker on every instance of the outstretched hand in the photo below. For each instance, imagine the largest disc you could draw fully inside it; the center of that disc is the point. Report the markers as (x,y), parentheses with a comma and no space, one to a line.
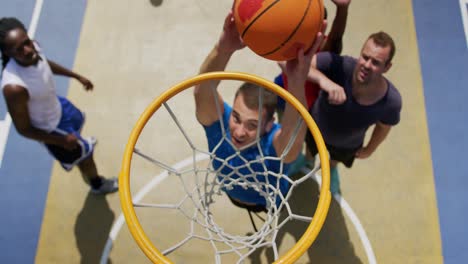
(230,39)
(87,84)
(298,68)
(364,153)
(70,142)
(336,93)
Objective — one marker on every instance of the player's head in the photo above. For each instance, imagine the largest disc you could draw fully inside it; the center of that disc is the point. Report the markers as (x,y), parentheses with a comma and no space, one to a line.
(15,43)
(244,120)
(376,57)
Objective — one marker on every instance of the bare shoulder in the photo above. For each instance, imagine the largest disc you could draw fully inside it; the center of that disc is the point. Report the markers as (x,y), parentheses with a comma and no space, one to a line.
(14,92)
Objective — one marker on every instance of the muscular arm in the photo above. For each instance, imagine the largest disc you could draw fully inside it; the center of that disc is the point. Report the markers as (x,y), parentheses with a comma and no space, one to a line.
(288,124)
(336,93)
(60,70)
(204,97)
(334,42)
(217,60)
(379,134)
(16,98)
(296,71)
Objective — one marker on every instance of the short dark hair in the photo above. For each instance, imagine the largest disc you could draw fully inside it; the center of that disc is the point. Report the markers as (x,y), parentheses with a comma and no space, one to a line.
(251,94)
(8,24)
(383,39)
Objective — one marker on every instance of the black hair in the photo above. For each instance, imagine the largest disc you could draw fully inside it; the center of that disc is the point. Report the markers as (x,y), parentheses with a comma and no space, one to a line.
(6,25)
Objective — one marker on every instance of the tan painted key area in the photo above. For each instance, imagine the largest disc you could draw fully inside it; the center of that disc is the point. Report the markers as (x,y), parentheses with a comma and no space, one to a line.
(135,50)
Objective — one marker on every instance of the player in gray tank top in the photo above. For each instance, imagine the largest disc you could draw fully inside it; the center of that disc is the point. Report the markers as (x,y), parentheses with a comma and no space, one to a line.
(55,122)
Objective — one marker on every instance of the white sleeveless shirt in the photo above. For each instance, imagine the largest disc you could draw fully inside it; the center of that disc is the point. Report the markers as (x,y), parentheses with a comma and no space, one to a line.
(43,105)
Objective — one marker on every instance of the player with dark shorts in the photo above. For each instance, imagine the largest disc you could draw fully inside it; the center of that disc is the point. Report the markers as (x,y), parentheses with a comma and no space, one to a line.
(370,99)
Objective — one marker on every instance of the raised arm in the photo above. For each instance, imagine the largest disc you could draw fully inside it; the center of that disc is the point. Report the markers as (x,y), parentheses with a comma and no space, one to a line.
(16,98)
(216,60)
(60,70)
(336,93)
(334,41)
(296,71)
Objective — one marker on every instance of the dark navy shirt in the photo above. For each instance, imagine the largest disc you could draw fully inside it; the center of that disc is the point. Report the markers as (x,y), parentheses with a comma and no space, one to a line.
(345,125)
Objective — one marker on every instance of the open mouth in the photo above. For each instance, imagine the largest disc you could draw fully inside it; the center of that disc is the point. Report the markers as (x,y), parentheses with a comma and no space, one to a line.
(237,142)
(32,57)
(363,74)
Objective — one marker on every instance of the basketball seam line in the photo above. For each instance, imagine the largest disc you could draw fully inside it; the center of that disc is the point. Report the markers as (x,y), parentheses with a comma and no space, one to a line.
(257,17)
(292,33)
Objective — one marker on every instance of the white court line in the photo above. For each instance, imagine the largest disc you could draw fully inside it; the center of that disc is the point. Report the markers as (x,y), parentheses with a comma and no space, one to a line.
(464,14)
(147,188)
(359,228)
(200,157)
(354,219)
(35,18)
(5,124)
(4,131)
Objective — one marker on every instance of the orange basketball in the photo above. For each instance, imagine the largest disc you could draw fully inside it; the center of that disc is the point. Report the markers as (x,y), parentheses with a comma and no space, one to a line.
(277,29)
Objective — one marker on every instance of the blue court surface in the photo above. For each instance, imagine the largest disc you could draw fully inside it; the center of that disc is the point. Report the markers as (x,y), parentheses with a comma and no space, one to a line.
(77,34)
(26,165)
(443,48)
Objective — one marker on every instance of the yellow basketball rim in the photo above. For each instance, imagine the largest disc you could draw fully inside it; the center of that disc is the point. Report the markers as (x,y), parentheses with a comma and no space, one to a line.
(124,178)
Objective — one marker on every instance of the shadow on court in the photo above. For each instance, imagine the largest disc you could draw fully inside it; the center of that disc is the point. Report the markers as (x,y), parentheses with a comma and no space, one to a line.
(92,228)
(156,3)
(333,243)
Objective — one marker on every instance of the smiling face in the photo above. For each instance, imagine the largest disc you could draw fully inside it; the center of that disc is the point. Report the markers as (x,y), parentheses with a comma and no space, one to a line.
(372,63)
(20,47)
(244,122)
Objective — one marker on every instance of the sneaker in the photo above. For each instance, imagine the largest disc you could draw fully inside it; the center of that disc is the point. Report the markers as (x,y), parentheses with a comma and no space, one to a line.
(91,140)
(108,186)
(334,181)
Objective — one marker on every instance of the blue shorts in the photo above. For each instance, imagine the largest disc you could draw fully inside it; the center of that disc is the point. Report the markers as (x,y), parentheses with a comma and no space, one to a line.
(71,122)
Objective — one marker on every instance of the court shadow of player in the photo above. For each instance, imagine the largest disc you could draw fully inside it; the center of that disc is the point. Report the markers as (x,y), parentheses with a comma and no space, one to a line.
(156,3)
(333,243)
(92,228)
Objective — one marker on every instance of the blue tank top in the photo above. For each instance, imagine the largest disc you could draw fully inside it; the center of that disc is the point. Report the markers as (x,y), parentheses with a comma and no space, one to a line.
(247,164)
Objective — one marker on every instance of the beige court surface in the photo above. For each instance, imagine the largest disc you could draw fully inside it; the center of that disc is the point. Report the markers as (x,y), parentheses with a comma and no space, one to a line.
(134,50)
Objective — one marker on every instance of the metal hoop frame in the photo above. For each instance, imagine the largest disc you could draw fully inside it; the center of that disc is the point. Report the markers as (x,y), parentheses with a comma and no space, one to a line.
(124,178)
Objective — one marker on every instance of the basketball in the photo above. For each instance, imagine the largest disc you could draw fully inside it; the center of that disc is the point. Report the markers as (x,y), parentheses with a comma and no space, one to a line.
(277,29)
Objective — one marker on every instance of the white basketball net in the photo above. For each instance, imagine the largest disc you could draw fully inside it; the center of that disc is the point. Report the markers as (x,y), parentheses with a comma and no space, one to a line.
(209,185)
